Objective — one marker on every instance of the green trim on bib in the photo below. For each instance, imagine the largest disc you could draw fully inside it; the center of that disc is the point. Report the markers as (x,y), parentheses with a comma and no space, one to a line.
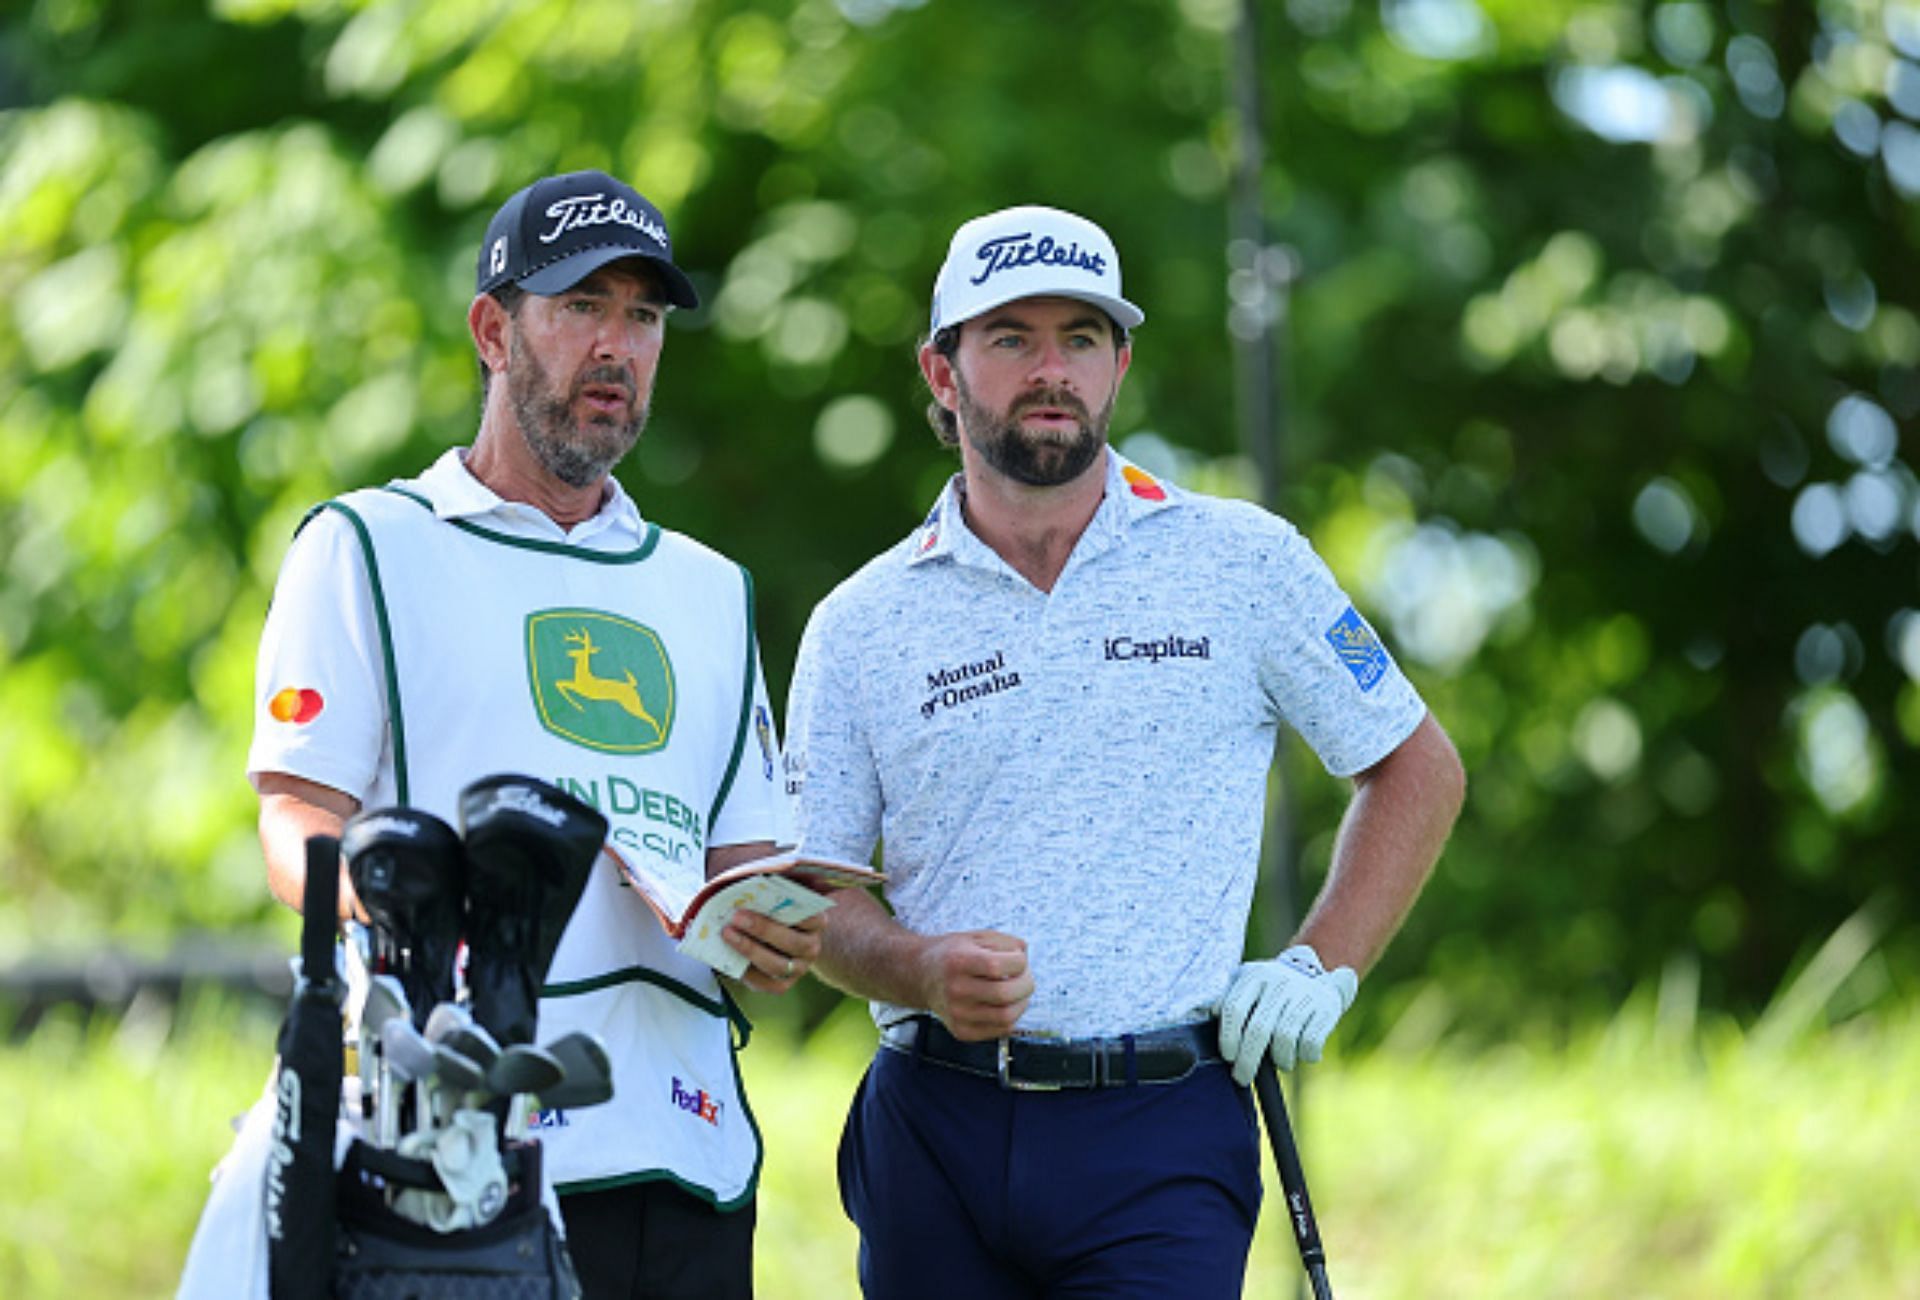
(396,721)
(637,554)
(746,1106)
(742,1027)
(746,704)
(637,975)
(664,1176)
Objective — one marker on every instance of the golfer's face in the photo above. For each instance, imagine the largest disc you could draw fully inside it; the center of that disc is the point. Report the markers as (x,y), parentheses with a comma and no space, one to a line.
(1035,382)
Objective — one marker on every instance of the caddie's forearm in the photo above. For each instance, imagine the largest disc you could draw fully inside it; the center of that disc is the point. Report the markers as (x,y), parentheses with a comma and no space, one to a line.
(725,857)
(866,953)
(1394,829)
(291,812)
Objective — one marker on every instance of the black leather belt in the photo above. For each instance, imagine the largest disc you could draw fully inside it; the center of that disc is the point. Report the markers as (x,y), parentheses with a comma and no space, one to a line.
(1050,1064)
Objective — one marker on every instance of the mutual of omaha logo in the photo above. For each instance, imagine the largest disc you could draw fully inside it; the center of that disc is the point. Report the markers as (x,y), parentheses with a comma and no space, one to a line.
(1358,648)
(600,680)
(965,683)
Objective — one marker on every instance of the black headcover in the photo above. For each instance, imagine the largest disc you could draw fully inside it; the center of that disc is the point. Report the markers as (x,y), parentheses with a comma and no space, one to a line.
(530,848)
(410,872)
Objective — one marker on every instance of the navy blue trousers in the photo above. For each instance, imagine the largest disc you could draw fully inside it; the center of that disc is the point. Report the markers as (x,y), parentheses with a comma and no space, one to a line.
(961,1188)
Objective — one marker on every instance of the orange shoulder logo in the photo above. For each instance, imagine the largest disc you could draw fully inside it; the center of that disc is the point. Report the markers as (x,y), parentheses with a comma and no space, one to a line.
(296,704)
(1143,484)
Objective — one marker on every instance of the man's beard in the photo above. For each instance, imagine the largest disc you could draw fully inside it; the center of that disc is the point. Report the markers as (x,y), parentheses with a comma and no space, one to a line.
(1033,459)
(577,456)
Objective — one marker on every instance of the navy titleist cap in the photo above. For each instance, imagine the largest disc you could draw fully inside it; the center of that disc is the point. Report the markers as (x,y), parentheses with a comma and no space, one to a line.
(561,229)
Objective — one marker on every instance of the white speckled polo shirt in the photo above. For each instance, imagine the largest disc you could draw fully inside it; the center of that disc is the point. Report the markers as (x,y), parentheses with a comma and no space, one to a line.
(1084,768)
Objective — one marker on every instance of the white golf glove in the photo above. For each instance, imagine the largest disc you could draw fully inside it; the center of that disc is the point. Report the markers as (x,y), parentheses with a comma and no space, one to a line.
(1288,1006)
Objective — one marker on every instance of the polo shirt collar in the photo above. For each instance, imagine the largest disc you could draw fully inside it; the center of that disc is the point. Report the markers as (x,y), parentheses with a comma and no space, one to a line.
(453,491)
(1131,494)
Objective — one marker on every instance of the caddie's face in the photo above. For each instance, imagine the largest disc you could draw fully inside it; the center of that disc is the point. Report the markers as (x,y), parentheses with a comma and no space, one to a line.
(581,369)
(1033,385)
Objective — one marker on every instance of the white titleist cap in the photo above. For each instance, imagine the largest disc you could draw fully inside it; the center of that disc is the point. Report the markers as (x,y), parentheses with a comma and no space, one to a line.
(1029,253)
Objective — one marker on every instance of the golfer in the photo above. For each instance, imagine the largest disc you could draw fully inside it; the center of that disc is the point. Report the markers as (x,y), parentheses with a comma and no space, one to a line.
(510,610)
(1055,704)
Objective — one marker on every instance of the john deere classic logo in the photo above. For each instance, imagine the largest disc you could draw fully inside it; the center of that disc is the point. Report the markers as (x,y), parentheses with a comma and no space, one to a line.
(600,680)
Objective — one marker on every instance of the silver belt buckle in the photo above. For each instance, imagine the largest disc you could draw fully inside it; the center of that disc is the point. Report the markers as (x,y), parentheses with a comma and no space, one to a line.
(1003,1059)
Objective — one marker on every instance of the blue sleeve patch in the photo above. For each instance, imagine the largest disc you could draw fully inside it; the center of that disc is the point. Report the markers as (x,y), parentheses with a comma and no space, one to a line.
(1358,648)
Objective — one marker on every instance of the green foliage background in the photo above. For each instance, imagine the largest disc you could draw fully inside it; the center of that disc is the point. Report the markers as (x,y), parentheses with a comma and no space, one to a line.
(1611,436)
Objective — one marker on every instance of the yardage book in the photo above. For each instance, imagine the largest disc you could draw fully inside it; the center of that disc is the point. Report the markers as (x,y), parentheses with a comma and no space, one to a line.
(789,887)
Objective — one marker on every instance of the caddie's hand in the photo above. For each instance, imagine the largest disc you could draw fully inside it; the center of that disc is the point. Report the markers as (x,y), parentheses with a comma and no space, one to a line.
(778,956)
(351,908)
(976,982)
(1287,1006)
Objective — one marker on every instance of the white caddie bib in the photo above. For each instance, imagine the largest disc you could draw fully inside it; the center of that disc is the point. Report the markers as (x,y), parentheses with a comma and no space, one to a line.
(628,680)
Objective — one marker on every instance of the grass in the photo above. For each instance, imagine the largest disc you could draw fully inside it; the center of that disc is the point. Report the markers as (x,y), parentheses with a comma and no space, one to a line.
(1626,1162)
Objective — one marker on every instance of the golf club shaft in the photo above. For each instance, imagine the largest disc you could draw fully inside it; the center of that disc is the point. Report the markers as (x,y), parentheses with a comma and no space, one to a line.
(1293,1182)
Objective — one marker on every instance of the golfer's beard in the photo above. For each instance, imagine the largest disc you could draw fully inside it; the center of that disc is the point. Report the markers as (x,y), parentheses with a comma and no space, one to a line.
(1038,460)
(578,456)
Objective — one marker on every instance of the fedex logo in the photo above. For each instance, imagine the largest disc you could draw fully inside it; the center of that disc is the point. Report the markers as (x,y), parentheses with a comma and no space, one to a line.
(697,1102)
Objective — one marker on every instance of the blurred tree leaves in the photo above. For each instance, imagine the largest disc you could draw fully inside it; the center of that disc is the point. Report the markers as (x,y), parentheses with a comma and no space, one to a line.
(1602,351)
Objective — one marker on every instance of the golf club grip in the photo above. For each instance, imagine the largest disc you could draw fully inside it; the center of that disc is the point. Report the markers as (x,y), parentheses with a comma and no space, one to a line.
(319,905)
(1293,1181)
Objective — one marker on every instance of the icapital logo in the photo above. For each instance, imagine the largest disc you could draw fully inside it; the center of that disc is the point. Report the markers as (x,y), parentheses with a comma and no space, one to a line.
(697,1102)
(1153,651)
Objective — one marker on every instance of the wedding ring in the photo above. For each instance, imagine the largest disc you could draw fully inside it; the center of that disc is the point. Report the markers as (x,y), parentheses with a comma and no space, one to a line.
(789,974)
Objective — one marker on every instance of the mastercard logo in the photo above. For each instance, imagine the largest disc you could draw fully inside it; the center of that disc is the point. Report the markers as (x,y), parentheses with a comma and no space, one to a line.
(296,704)
(1143,484)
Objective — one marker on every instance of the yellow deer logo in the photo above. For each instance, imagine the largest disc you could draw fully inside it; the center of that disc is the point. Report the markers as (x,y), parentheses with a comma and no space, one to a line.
(583,685)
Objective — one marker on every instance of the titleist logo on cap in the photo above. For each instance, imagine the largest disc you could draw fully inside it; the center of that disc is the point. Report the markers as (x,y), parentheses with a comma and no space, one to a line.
(1028,252)
(559,230)
(1010,252)
(582,210)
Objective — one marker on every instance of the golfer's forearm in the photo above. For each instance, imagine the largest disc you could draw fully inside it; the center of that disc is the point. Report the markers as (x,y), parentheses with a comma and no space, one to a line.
(868,954)
(1394,829)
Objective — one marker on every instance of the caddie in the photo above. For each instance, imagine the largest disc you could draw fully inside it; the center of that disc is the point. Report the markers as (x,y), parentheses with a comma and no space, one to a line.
(1054,707)
(509,610)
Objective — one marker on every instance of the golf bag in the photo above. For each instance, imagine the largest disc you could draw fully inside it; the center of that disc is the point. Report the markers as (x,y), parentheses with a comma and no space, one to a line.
(380,1255)
(408,1225)
(312,1201)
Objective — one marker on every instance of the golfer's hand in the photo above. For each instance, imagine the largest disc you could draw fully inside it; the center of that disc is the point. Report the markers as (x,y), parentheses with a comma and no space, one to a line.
(976,982)
(778,956)
(1287,1006)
